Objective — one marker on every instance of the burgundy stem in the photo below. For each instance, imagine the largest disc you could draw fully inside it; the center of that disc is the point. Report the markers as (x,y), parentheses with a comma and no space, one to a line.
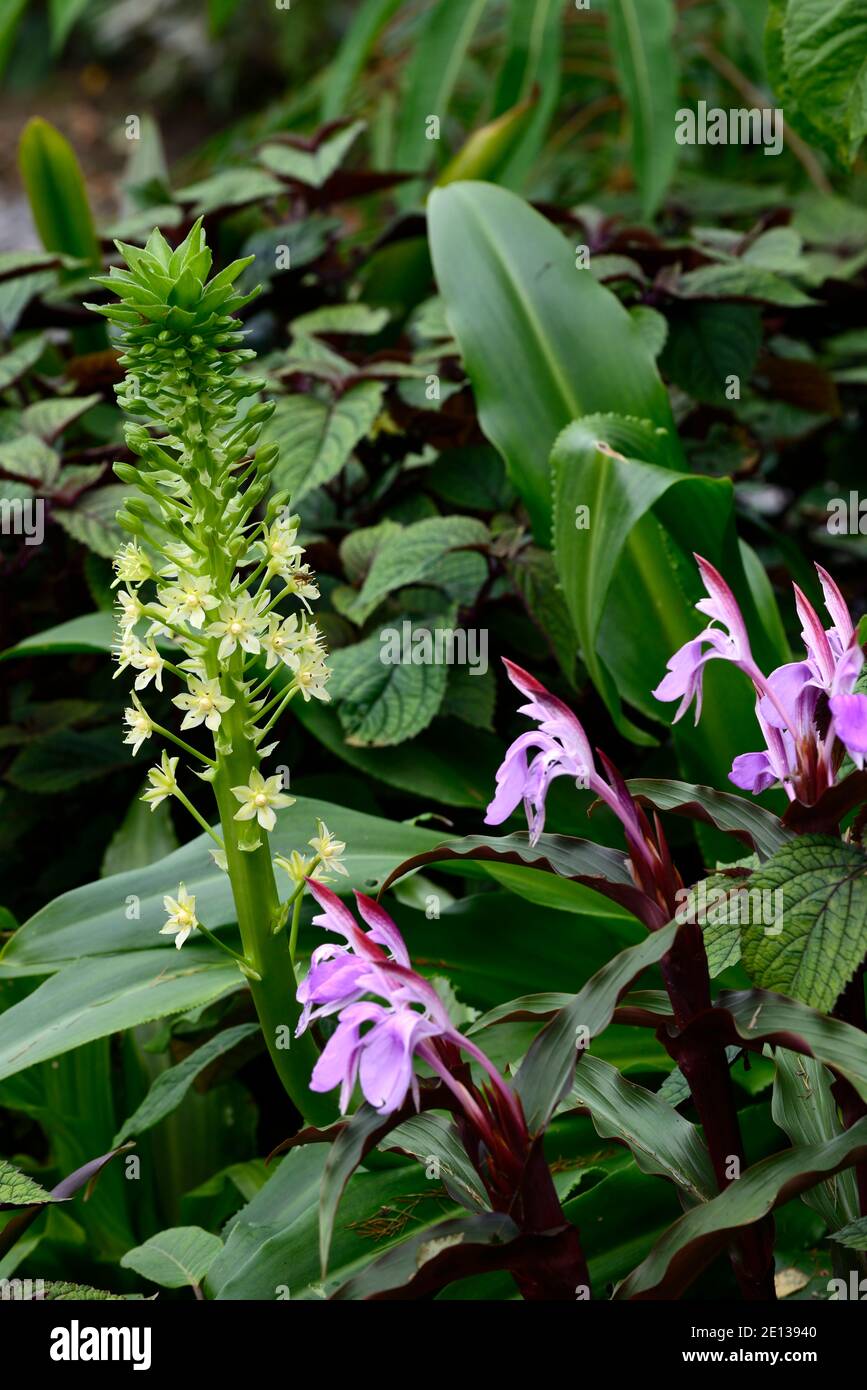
(850,1008)
(704,1064)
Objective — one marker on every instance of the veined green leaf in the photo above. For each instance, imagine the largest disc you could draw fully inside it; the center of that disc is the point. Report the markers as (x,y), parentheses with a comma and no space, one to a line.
(317,439)
(175,1258)
(19,1190)
(818,936)
(661,1140)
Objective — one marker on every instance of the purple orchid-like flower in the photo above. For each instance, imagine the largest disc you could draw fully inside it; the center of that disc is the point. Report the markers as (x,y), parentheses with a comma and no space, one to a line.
(563,749)
(808,711)
(377,1038)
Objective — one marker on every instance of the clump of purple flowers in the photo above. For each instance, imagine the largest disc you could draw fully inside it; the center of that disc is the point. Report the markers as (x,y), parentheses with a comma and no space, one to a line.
(562,749)
(808,711)
(387,1016)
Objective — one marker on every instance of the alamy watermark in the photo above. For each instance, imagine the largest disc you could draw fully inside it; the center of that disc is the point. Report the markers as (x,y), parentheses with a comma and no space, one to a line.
(23,517)
(715,125)
(412,645)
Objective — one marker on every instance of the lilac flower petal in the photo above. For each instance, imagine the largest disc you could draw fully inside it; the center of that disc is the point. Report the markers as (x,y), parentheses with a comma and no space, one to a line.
(722,606)
(752,772)
(551,714)
(815,639)
(848,670)
(337,917)
(382,929)
(850,722)
(512,776)
(787,683)
(836,605)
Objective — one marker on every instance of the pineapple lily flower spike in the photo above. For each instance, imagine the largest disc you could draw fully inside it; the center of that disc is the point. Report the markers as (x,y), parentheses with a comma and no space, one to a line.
(809,711)
(202,585)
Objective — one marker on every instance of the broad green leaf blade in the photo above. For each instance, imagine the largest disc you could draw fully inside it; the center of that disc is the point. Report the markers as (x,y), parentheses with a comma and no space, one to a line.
(644,53)
(175,1258)
(661,1140)
(547,1070)
(344,1156)
(142,838)
(19,1190)
(543,342)
(759,829)
(434,1140)
(95,997)
(431,75)
(616,514)
(272,1249)
(93,920)
(92,633)
(692,1242)
(758,1017)
(804,1108)
(58,197)
(170,1087)
(818,937)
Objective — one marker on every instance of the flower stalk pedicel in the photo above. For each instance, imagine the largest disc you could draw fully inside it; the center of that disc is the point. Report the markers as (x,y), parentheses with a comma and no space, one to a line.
(203,575)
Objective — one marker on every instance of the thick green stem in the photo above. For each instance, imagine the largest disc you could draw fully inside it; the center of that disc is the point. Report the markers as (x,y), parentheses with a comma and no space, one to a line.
(257,904)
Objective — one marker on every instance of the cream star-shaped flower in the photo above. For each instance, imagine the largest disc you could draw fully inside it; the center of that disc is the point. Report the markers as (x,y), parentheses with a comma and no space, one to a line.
(280,639)
(162,780)
(129,610)
(148,662)
(204,704)
(182,916)
(240,624)
(278,546)
(296,866)
(189,600)
(311,675)
(131,565)
(328,848)
(140,724)
(259,798)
